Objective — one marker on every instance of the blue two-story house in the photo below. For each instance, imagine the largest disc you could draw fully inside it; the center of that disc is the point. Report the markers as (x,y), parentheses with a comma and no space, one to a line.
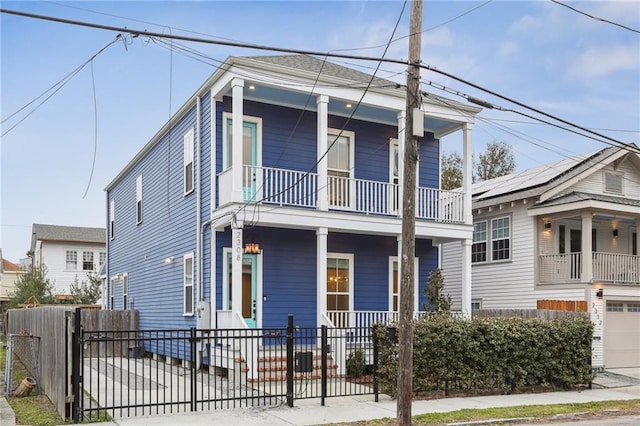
(276,189)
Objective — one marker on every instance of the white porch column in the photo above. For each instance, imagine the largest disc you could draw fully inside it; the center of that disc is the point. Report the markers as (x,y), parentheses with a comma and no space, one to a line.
(236,266)
(467,173)
(466,276)
(399,238)
(587,257)
(237,89)
(212,277)
(401,138)
(321,261)
(322,202)
(638,249)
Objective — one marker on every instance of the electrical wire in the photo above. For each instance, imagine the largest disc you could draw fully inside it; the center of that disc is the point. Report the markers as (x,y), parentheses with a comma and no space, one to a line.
(95,131)
(312,53)
(596,17)
(55,88)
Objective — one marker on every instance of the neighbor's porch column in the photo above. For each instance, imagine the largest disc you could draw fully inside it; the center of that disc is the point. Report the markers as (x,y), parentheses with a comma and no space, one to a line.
(401,139)
(467,173)
(399,238)
(322,202)
(466,277)
(637,280)
(321,262)
(587,257)
(237,93)
(236,266)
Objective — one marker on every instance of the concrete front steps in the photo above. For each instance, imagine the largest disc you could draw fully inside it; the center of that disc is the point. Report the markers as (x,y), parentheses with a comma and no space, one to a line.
(272,365)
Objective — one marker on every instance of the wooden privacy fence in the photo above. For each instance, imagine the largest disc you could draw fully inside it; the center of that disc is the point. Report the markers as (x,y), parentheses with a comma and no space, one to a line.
(563,305)
(526,313)
(54,326)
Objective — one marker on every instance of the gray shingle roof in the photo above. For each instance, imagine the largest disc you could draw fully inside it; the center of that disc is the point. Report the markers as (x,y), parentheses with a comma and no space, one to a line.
(576,196)
(67,233)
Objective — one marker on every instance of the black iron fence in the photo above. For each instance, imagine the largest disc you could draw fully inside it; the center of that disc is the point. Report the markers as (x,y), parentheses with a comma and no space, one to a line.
(133,373)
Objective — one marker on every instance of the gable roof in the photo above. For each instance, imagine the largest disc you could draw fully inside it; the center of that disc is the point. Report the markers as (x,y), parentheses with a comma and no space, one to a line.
(77,234)
(8,266)
(537,180)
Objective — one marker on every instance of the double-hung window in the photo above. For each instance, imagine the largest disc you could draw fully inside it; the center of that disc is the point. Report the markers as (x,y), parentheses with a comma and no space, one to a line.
(188,284)
(87,261)
(139,199)
(188,162)
(340,167)
(500,238)
(72,260)
(125,290)
(491,240)
(479,247)
(103,258)
(112,291)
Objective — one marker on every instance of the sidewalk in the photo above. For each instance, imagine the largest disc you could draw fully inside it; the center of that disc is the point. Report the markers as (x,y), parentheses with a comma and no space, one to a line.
(611,386)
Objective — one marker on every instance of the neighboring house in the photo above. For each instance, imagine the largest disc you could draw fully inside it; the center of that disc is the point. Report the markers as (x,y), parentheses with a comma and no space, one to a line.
(67,252)
(9,274)
(273,191)
(563,231)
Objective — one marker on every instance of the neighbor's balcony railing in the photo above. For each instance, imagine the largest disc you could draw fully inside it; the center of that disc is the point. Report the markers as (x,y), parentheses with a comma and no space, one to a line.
(294,188)
(607,267)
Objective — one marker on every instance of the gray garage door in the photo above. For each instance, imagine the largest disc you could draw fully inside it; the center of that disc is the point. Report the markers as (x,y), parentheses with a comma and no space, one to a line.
(622,334)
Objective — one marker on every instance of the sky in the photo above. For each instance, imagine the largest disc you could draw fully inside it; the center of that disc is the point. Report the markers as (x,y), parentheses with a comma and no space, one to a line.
(538,53)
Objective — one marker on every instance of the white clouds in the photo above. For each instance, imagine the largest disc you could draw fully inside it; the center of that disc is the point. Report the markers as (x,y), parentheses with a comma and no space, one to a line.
(440,37)
(605,60)
(508,48)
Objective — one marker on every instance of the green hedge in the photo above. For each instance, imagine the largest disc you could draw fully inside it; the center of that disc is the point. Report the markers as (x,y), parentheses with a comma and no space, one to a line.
(491,354)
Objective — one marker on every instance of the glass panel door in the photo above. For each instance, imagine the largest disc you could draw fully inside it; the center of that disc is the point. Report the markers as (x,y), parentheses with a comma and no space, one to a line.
(249,157)
(249,287)
(339,171)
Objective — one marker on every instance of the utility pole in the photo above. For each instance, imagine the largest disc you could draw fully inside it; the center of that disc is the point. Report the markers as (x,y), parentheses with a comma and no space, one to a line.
(405,325)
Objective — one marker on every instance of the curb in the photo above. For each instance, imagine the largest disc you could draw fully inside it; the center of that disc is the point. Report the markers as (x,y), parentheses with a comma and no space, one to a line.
(7,416)
(493,421)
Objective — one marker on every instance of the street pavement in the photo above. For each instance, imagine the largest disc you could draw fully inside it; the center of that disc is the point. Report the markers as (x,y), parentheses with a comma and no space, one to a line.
(612,385)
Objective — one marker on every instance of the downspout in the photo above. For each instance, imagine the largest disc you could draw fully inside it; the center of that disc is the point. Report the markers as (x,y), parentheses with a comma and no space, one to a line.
(198,202)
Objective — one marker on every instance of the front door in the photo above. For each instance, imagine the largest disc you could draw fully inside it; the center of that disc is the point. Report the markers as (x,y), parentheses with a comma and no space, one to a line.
(249,157)
(249,287)
(575,247)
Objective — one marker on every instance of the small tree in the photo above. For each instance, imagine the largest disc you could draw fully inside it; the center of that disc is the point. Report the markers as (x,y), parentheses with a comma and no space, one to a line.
(87,292)
(437,301)
(496,161)
(34,283)
(451,171)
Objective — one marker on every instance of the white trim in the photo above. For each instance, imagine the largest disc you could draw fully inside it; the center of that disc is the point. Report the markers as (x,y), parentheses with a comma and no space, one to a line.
(226,251)
(184,284)
(138,206)
(394,197)
(125,294)
(112,291)
(226,116)
(188,154)
(349,257)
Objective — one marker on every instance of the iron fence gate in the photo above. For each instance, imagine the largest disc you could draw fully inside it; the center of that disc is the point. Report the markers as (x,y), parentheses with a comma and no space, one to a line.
(145,372)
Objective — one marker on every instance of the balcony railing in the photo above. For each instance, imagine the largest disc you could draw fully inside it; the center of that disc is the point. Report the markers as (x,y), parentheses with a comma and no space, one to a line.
(607,267)
(294,188)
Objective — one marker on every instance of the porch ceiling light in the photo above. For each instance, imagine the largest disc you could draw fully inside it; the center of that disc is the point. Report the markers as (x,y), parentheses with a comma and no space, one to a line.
(547,225)
(252,248)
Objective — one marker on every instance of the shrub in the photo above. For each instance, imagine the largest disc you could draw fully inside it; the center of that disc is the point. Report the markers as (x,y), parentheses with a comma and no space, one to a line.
(356,363)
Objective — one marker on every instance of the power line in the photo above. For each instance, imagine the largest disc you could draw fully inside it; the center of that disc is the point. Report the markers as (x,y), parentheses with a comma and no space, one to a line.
(311,53)
(597,18)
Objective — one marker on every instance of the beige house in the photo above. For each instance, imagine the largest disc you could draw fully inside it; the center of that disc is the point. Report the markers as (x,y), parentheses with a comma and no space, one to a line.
(9,273)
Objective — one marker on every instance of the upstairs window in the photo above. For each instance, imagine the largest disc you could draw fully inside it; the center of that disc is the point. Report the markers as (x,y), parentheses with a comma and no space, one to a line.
(188,284)
(613,182)
(87,261)
(479,247)
(72,260)
(139,200)
(112,219)
(188,162)
(500,239)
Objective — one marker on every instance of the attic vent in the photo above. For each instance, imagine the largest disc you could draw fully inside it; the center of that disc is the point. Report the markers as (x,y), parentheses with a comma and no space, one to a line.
(613,182)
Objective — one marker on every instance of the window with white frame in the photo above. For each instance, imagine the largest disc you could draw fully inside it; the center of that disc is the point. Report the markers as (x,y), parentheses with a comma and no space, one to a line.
(103,258)
(476,304)
(112,219)
(633,307)
(634,243)
(394,283)
(188,162)
(72,260)
(139,199)
(188,284)
(500,238)
(339,276)
(112,291)
(615,307)
(479,247)
(340,167)
(87,261)
(613,182)
(125,290)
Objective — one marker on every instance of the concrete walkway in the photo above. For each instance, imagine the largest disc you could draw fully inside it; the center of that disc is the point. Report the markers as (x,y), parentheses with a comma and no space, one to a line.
(613,385)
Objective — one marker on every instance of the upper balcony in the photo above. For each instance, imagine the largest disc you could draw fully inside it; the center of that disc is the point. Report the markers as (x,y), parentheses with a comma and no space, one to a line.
(282,187)
(613,268)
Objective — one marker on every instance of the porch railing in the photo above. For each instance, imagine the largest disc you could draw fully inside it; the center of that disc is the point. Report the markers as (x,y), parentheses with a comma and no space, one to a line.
(295,188)
(614,267)
(607,267)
